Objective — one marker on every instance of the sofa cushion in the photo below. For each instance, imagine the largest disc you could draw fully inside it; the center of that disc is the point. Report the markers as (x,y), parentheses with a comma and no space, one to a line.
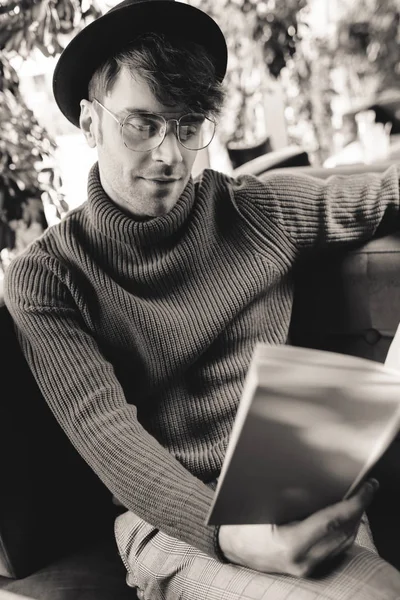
(95,572)
(51,502)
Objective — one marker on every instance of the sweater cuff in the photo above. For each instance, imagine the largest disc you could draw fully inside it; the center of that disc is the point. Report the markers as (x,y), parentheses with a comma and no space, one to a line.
(217,548)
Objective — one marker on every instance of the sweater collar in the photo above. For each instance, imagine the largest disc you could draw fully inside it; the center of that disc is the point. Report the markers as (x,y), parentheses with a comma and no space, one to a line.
(108,218)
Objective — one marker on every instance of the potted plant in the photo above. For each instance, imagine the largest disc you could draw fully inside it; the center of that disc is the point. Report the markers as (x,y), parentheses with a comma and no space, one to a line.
(30,179)
(261,37)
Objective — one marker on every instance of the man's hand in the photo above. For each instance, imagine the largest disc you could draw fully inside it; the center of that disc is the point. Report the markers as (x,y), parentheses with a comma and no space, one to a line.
(297,548)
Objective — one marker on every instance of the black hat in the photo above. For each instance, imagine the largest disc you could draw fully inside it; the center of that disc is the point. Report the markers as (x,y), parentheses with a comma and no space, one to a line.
(115,29)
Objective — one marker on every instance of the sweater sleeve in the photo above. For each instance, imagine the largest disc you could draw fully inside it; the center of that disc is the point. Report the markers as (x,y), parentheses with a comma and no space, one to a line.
(313,212)
(87,400)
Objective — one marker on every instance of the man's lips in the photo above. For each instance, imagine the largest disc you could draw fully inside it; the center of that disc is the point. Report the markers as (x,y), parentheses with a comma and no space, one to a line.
(162,179)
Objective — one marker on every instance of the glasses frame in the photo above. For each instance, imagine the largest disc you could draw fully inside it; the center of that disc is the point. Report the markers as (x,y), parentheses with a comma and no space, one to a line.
(166,122)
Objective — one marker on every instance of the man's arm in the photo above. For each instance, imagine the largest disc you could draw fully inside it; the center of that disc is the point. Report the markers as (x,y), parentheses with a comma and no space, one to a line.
(311,212)
(87,400)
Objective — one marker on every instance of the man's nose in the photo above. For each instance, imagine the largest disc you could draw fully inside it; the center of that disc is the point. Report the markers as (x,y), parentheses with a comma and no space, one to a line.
(169,151)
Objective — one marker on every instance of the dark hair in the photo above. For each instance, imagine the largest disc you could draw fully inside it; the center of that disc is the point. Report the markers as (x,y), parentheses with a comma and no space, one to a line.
(178,72)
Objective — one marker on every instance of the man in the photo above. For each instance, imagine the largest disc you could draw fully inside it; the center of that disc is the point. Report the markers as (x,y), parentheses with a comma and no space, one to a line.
(139,312)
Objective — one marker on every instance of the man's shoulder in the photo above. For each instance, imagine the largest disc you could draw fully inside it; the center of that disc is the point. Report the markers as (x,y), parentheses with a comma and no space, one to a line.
(218,181)
(47,247)
(212,176)
(73,220)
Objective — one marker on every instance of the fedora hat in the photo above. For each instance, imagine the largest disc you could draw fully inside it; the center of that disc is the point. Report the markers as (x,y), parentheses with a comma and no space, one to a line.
(115,29)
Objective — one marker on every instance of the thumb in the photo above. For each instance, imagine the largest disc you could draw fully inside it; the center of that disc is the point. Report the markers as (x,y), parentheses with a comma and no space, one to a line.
(322,523)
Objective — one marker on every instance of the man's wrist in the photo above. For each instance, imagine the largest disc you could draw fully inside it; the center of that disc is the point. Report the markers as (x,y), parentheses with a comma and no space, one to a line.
(217,548)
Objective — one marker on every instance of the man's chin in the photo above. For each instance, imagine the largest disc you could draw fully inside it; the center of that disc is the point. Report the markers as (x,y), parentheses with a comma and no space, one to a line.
(164,197)
(160,209)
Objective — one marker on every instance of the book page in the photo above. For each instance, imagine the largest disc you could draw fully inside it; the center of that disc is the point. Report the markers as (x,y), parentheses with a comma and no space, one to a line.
(310,425)
(393,356)
(392,362)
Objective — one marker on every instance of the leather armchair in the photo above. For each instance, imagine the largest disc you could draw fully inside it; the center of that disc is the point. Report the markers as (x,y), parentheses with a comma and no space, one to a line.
(56,517)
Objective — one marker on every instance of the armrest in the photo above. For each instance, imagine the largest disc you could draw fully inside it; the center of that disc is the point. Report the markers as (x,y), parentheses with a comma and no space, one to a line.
(325,172)
(291,156)
(50,500)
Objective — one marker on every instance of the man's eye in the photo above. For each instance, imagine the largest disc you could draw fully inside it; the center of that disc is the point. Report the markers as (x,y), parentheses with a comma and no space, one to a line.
(188,131)
(143,127)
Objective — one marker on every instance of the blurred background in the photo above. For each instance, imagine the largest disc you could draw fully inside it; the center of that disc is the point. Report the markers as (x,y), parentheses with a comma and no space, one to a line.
(309,82)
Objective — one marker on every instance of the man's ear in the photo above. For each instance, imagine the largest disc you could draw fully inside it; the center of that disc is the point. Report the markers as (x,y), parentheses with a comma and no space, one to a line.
(87,124)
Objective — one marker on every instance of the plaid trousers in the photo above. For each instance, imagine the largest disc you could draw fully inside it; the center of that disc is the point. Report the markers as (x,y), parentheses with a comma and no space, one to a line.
(163,568)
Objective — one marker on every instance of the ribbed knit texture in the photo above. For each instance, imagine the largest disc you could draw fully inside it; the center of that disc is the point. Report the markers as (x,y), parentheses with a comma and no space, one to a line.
(140,333)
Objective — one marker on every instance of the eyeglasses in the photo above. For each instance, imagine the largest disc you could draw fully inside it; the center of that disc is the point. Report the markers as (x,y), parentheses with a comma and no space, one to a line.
(145,131)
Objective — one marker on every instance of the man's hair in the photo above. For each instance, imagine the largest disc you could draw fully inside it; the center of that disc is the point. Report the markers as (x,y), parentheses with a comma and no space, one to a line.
(178,72)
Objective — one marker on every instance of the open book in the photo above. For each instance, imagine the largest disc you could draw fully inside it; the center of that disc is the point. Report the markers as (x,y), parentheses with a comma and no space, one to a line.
(309,427)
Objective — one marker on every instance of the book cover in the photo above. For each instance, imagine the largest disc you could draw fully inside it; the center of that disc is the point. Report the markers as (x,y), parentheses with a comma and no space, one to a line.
(309,427)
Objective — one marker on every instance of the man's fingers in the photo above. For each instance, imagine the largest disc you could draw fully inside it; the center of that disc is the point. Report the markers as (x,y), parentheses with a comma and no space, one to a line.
(337,517)
(326,550)
(334,545)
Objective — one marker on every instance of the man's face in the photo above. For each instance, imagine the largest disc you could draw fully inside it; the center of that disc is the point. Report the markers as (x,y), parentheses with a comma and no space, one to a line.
(145,184)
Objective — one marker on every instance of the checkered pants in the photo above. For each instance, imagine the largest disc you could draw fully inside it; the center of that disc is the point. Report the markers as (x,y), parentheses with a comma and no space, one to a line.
(163,568)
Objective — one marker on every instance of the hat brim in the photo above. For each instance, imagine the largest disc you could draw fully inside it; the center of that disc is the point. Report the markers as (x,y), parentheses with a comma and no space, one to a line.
(114,30)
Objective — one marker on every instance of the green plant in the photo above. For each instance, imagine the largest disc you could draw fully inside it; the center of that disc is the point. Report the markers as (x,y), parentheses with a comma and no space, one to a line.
(361,49)
(29,176)
(262,36)
(369,40)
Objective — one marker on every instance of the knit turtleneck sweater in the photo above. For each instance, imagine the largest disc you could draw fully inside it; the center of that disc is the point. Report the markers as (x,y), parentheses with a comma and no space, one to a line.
(140,333)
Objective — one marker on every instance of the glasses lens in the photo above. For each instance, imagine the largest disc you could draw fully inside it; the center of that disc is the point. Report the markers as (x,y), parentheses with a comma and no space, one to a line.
(142,132)
(195,131)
